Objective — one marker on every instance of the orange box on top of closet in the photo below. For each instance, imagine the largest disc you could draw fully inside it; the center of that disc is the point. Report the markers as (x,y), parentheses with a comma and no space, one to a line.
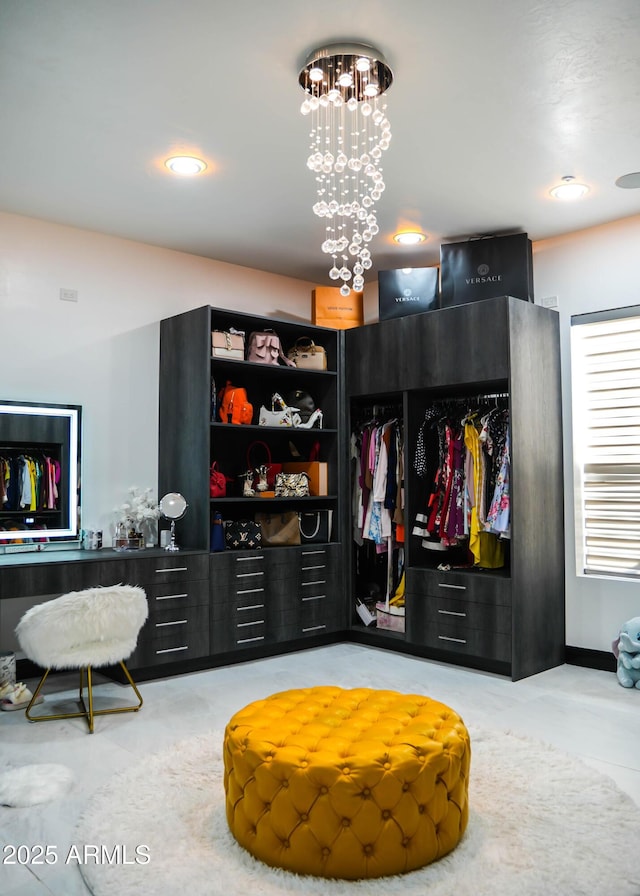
(331,309)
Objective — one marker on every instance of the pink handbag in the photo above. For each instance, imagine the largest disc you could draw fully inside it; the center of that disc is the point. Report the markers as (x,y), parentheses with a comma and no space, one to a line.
(265,348)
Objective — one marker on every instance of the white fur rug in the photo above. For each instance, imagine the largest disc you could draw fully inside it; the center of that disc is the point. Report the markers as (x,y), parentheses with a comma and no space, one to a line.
(540,823)
(30,785)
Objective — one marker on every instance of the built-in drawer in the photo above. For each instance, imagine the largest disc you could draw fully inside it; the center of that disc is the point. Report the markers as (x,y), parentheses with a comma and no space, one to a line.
(172,567)
(476,586)
(172,636)
(430,609)
(176,595)
(457,638)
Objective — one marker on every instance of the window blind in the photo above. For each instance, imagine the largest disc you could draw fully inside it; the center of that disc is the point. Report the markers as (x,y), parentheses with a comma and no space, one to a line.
(606,392)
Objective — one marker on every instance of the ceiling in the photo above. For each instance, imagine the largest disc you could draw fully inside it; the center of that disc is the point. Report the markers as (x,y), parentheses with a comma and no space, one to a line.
(492,103)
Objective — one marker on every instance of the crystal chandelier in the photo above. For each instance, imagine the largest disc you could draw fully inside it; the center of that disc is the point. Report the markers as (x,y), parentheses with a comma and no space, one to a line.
(345,84)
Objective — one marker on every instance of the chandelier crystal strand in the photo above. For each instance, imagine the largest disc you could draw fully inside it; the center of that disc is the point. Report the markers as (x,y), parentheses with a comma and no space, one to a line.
(349,133)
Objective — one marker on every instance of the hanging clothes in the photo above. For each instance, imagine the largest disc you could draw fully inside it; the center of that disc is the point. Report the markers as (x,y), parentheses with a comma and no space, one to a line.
(462,450)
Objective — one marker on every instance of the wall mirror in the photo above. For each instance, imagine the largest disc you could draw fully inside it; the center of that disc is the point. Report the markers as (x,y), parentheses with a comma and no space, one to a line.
(39,473)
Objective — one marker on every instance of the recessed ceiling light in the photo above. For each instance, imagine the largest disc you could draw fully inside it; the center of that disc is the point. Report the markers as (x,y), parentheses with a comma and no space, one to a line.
(185,165)
(569,189)
(629,181)
(409,237)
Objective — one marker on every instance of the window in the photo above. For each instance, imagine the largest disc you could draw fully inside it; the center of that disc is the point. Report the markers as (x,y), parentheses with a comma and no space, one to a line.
(605,352)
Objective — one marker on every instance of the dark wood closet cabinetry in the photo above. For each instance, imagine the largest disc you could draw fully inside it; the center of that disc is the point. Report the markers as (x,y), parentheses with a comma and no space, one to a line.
(275,595)
(509,620)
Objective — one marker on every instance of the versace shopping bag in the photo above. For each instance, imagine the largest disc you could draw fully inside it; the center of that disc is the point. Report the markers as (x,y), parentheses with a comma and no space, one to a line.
(486,268)
(407,291)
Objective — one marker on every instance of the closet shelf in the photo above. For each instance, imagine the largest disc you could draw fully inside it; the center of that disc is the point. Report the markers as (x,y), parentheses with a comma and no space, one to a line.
(269,369)
(269,502)
(239,428)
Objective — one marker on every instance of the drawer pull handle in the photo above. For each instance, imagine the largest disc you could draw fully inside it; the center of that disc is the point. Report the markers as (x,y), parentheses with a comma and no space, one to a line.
(173,569)
(249,559)
(165,624)
(315,597)
(172,649)
(451,613)
(316,582)
(171,596)
(313,628)
(250,591)
(247,575)
(251,607)
(307,568)
(245,624)
(310,553)
(457,640)
(249,640)
(456,587)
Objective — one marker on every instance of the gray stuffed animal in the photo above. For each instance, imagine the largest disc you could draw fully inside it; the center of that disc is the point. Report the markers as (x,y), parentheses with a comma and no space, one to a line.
(626,648)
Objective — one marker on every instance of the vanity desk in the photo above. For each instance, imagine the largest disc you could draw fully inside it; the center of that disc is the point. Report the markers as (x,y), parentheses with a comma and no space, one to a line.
(176,584)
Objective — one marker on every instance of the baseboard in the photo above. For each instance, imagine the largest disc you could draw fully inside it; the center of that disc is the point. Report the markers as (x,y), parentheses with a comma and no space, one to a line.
(590,659)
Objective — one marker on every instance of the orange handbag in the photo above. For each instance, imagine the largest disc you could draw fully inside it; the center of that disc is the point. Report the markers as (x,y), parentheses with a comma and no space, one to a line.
(234,406)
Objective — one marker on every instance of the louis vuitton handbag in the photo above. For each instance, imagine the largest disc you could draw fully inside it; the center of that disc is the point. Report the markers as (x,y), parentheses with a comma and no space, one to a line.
(242,535)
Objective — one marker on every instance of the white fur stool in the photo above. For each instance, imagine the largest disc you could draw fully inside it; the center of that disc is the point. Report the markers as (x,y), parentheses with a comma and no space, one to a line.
(82,630)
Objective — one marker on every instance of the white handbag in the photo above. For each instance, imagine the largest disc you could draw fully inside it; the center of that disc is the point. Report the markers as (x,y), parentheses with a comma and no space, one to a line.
(280,414)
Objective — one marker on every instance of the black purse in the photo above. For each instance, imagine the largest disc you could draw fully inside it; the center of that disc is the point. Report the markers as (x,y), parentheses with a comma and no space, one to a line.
(315,526)
(242,535)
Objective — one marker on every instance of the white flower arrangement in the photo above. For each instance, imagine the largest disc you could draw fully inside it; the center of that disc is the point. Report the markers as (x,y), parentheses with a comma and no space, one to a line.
(140,508)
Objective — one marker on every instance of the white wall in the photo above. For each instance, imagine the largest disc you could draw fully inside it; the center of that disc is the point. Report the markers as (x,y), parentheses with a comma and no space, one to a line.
(591,270)
(102,353)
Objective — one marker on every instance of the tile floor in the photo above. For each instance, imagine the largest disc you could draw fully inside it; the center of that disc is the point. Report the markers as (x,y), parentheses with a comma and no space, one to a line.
(581,711)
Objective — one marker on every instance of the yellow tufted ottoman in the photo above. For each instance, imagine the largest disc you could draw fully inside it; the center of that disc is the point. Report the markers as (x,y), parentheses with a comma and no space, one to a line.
(346,783)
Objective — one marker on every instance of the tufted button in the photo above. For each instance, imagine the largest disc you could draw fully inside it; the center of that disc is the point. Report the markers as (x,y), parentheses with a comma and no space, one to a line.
(346,822)
(387,765)
(285,784)
(285,844)
(421,810)
(406,841)
(267,807)
(367,849)
(346,770)
(324,789)
(405,787)
(304,817)
(304,763)
(326,851)
(366,793)
(386,813)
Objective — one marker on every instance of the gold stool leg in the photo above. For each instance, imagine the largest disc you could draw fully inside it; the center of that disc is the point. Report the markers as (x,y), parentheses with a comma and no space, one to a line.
(88,712)
(35,697)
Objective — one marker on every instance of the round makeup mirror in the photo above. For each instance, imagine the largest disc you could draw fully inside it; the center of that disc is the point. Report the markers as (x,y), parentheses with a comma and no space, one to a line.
(173,506)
